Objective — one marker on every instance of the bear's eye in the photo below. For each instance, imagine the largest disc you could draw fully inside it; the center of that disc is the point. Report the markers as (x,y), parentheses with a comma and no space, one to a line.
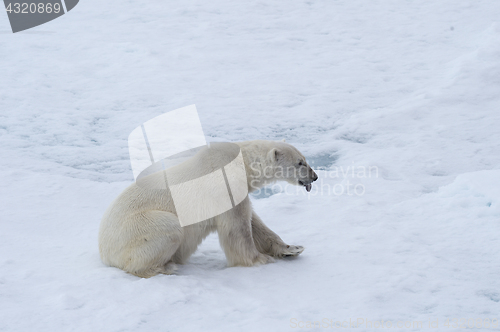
(301,163)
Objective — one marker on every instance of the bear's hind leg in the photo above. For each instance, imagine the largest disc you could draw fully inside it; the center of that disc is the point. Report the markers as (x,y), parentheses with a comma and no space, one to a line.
(150,252)
(168,268)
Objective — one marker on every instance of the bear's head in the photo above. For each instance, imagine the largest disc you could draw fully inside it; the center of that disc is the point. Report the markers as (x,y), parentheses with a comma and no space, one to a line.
(288,164)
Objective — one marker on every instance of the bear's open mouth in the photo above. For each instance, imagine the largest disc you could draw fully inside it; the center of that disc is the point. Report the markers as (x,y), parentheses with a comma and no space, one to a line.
(307,186)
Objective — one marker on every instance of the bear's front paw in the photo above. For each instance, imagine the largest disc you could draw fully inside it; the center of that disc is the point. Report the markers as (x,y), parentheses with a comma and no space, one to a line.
(288,251)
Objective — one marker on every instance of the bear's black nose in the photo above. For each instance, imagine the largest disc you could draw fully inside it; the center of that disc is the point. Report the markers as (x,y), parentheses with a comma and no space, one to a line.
(315,177)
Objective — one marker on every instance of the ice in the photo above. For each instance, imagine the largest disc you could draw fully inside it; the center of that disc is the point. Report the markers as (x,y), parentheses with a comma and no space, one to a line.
(410,88)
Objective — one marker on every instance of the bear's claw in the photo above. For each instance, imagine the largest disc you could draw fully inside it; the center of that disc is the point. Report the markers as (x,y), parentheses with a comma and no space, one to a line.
(292,251)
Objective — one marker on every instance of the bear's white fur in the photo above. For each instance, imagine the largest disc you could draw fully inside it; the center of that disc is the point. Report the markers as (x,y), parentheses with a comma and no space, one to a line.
(141,234)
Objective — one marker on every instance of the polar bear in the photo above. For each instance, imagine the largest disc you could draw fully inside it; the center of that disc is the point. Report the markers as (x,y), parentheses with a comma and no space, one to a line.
(140,232)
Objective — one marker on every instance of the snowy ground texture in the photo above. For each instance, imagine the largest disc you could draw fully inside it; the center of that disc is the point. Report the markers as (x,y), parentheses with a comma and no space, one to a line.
(411,88)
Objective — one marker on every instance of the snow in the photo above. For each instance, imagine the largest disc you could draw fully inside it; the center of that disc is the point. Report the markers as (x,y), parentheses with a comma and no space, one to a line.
(409,88)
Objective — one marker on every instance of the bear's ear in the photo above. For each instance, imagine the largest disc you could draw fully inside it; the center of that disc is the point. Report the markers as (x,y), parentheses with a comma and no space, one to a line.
(273,155)
(283,140)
